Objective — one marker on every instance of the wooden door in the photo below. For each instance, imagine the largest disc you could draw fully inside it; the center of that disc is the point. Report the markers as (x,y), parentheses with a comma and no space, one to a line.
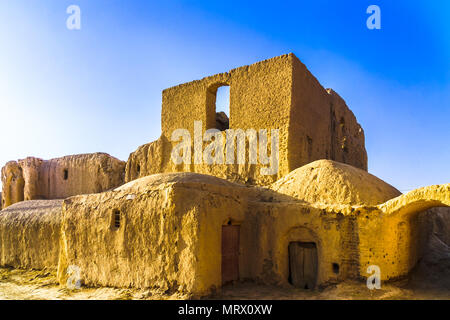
(230,253)
(303,264)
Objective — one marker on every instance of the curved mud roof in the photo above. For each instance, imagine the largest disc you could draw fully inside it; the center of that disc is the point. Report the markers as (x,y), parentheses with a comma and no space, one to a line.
(34,206)
(330,182)
(186,178)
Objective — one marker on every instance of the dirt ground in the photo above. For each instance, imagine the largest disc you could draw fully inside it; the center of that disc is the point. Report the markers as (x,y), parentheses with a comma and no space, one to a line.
(18,284)
(41,285)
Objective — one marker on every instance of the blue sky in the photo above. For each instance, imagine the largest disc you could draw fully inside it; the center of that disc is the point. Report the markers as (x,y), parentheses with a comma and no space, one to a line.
(99,88)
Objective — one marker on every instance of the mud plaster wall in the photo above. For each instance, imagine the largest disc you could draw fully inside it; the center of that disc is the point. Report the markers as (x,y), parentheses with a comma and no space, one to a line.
(321,125)
(393,234)
(260,98)
(29,234)
(12,184)
(142,252)
(275,225)
(388,242)
(34,178)
(164,239)
(170,236)
(278,93)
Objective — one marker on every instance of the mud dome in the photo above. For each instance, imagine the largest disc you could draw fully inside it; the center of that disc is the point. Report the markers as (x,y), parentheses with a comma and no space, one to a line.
(279,93)
(35,179)
(170,231)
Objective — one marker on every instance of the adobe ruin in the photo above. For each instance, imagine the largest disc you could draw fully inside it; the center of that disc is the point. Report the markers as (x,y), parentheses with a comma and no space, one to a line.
(59,178)
(192,228)
(278,93)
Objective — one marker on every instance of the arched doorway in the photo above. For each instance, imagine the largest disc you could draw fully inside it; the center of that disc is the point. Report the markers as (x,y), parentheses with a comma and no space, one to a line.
(303,264)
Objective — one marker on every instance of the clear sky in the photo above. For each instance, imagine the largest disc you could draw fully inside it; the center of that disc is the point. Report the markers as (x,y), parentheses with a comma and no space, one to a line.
(99,88)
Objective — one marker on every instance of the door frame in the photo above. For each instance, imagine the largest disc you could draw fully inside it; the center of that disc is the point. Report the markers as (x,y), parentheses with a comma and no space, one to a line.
(315,249)
(229,224)
(299,234)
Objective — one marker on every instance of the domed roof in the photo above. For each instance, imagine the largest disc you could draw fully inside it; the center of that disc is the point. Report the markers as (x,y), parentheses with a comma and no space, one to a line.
(331,182)
(186,178)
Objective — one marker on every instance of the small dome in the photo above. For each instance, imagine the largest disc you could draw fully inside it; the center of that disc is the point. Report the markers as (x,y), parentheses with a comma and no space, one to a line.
(186,178)
(331,182)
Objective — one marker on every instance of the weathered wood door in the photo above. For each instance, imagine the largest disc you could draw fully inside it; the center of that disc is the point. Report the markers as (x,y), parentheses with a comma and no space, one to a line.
(230,253)
(303,264)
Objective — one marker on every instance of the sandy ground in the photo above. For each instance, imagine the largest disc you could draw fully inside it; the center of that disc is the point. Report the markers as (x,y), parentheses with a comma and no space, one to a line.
(41,285)
(18,284)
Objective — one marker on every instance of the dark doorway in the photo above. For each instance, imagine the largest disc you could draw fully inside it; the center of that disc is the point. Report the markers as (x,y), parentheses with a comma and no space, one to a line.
(303,264)
(230,253)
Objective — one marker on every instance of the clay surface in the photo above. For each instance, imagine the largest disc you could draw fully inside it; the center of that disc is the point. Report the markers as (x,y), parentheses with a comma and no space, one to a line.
(30,233)
(170,229)
(33,178)
(330,182)
(163,229)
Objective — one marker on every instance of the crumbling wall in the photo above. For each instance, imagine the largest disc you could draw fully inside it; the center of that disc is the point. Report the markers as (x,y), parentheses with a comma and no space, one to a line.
(170,234)
(347,141)
(146,160)
(392,243)
(434,266)
(13,184)
(30,234)
(275,225)
(278,93)
(34,178)
(260,98)
(391,234)
(321,125)
(161,240)
(438,224)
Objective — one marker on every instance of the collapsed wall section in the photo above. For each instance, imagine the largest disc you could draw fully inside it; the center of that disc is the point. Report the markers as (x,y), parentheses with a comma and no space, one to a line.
(34,178)
(321,124)
(161,231)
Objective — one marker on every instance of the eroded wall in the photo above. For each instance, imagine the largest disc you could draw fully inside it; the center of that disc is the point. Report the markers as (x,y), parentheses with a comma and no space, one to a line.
(160,242)
(321,126)
(12,184)
(278,93)
(34,178)
(30,234)
(392,235)
(276,225)
(171,228)
(260,98)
